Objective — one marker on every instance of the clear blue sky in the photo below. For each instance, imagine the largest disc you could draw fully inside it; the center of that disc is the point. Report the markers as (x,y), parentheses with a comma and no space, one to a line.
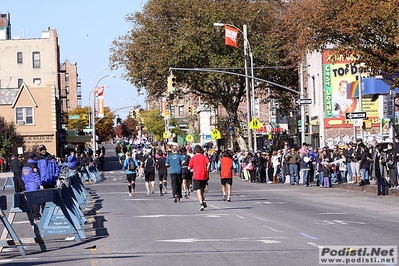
(85,30)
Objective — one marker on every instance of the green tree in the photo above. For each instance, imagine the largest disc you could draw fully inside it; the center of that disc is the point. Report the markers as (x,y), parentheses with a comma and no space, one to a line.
(154,123)
(180,33)
(8,137)
(365,30)
(83,121)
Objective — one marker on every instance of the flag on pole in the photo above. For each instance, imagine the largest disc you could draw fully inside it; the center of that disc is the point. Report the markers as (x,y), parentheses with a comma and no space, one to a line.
(99,91)
(230,36)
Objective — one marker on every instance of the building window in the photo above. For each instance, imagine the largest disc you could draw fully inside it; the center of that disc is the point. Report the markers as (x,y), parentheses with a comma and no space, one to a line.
(37,81)
(67,89)
(66,76)
(24,115)
(181,110)
(67,103)
(19,58)
(20,81)
(172,111)
(36,59)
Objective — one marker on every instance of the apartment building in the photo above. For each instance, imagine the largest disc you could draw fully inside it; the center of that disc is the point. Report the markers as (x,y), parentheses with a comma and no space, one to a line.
(35,86)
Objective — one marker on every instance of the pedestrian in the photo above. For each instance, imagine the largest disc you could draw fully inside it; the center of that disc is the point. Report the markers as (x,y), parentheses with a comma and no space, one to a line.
(390,161)
(16,168)
(379,169)
(200,166)
(130,165)
(48,168)
(32,181)
(73,162)
(305,167)
(162,172)
(226,166)
(148,165)
(175,162)
(364,165)
(293,160)
(251,167)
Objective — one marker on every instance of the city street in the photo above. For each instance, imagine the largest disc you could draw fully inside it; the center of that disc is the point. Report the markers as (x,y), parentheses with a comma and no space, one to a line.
(265,224)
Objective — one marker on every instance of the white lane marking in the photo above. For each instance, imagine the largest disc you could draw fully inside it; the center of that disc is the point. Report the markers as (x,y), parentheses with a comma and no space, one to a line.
(246,239)
(326,222)
(333,213)
(239,216)
(269,202)
(182,215)
(308,236)
(268,227)
(314,244)
(215,207)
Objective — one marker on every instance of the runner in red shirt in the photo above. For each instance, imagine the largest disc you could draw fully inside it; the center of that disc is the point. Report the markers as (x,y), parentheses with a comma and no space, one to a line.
(200,167)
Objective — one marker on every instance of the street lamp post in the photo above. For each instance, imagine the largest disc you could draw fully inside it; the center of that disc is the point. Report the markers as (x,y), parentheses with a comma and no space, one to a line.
(93,120)
(247,52)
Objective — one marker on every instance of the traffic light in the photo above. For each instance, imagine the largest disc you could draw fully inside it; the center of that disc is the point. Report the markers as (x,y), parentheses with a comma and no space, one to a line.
(118,121)
(189,110)
(171,84)
(133,114)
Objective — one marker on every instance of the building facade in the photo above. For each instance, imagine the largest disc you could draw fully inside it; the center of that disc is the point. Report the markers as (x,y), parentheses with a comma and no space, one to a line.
(33,80)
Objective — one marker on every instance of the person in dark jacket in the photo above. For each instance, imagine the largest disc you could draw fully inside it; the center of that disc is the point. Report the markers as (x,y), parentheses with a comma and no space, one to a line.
(16,168)
(391,155)
(32,181)
(378,169)
(364,165)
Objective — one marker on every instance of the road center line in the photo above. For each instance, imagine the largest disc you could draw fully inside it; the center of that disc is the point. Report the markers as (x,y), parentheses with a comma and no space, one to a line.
(314,244)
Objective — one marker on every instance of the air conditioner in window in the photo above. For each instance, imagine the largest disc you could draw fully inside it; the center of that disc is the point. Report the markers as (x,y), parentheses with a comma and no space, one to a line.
(21,122)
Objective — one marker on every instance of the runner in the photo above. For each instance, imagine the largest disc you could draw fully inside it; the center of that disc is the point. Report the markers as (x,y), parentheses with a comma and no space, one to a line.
(200,166)
(175,161)
(186,174)
(226,166)
(149,172)
(130,165)
(162,172)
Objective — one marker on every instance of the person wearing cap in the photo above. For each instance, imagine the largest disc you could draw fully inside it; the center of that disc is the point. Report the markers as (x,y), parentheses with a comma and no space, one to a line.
(16,166)
(32,181)
(48,168)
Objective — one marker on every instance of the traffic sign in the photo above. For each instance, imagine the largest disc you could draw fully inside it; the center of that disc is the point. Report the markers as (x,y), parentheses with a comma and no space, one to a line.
(305,101)
(215,133)
(189,138)
(72,117)
(255,124)
(356,115)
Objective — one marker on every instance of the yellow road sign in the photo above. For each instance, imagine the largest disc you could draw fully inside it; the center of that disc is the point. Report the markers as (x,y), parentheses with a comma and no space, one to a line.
(189,138)
(165,135)
(215,134)
(255,124)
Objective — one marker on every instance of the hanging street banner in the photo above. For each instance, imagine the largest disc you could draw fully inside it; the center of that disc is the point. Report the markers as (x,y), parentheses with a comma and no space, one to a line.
(340,83)
(230,37)
(100,99)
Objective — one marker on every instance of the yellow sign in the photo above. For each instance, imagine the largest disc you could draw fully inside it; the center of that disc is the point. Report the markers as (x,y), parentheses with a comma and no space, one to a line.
(165,135)
(189,138)
(255,124)
(215,134)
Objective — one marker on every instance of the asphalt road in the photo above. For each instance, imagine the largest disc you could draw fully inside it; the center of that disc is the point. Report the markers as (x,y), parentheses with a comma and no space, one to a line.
(265,224)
